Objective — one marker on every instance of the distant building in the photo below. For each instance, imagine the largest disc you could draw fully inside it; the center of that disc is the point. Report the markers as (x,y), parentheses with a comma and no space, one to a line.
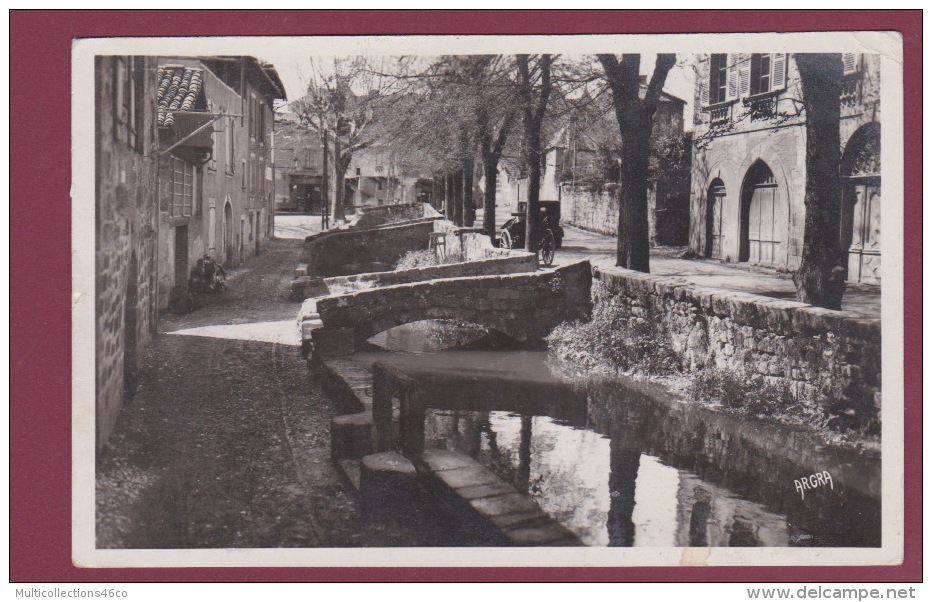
(749,167)
(298,166)
(183,170)
(375,179)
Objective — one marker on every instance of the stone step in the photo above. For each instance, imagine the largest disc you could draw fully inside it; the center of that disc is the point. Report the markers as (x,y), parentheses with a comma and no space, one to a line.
(515,516)
(350,471)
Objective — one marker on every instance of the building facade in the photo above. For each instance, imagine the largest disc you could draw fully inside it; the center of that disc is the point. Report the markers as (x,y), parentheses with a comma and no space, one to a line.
(215,187)
(298,166)
(126,228)
(749,162)
(183,170)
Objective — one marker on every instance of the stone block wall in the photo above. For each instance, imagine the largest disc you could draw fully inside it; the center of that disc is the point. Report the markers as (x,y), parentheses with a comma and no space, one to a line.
(524,306)
(823,356)
(126,220)
(358,250)
(597,211)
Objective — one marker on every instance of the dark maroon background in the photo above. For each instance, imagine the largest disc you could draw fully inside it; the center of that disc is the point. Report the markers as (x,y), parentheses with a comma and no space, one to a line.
(40,267)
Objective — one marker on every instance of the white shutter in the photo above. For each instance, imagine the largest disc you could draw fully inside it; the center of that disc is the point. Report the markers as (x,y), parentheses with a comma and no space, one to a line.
(704,87)
(778,73)
(850,60)
(744,74)
(731,77)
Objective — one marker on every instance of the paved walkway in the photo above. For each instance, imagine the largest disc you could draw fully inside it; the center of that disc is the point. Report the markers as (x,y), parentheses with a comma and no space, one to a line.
(599,249)
(665,261)
(226,442)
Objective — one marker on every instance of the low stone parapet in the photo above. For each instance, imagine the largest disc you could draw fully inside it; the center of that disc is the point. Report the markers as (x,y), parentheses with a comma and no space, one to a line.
(824,356)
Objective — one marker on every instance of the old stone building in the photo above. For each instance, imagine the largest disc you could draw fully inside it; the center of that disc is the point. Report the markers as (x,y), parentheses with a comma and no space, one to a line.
(183,170)
(126,227)
(749,164)
(215,186)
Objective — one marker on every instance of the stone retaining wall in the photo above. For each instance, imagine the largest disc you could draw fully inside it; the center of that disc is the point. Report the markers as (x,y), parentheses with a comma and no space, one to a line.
(830,357)
(358,250)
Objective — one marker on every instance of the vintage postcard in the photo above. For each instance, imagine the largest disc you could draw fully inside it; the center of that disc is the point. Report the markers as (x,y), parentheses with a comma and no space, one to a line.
(614,300)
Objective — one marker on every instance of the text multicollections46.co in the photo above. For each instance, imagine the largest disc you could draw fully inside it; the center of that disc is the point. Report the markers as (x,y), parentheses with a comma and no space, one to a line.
(819,479)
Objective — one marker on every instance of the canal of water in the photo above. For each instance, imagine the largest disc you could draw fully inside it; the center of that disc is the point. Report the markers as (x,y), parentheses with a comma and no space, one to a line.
(621,463)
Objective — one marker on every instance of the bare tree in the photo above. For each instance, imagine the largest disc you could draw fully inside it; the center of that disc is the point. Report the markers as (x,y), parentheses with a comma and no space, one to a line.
(635,122)
(335,110)
(534,87)
(820,279)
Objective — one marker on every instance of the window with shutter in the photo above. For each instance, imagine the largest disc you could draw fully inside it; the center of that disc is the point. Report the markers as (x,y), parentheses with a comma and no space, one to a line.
(744,74)
(732,76)
(778,77)
(718,76)
(229,156)
(212,162)
(760,73)
(179,181)
(851,62)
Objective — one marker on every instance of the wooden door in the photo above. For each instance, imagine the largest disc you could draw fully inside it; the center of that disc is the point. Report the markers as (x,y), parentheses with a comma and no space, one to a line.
(716,201)
(763,225)
(864,253)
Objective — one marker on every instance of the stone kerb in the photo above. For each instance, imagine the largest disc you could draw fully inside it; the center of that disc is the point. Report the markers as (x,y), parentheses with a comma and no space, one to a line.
(525,306)
(821,355)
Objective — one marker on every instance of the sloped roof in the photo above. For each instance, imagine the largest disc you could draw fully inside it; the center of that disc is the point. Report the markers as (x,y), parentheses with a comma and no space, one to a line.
(179,88)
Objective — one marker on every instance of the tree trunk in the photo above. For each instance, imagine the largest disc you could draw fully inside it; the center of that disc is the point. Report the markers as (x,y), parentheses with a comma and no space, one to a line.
(449,204)
(635,122)
(458,197)
(469,205)
(532,232)
(490,170)
(325,185)
(534,110)
(634,246)
(820,279)
(339,167)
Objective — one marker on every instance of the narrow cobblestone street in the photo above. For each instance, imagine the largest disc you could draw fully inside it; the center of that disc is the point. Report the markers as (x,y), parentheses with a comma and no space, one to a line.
(226,441)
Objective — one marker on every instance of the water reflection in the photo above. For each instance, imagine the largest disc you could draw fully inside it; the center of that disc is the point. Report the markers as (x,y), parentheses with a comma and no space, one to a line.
(621,465)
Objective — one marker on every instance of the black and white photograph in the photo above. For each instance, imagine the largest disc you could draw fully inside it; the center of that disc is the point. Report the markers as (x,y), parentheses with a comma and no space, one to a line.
(614,300)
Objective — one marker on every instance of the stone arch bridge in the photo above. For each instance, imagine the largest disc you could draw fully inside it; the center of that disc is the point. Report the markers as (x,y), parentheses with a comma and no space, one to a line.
(524,306)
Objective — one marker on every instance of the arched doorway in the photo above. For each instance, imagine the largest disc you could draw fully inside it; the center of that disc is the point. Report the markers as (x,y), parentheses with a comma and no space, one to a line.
(130,328)
(715,199)
(860,217)
(763,218)
(226,241)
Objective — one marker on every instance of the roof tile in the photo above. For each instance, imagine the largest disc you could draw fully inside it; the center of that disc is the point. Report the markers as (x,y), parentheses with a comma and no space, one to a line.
(178,90)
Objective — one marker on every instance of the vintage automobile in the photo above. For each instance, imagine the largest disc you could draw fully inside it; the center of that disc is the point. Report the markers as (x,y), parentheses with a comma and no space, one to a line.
(511,234)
